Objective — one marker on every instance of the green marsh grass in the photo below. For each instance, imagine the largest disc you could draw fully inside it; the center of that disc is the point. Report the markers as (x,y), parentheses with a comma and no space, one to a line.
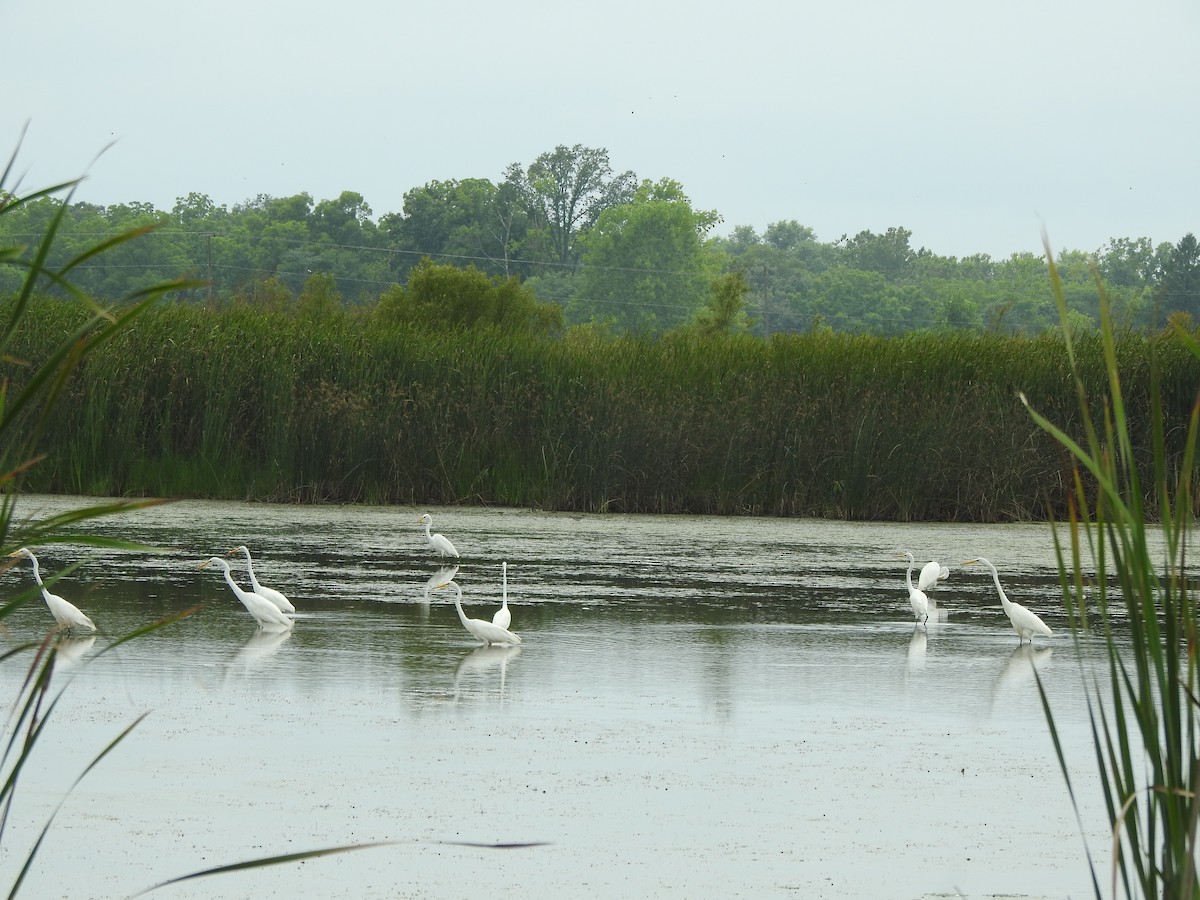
(1133,477)
(236,402)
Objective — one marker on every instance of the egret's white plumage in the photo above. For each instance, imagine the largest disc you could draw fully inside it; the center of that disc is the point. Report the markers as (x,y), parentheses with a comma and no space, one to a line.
(916,596)
(65,613)
(931,573)
(439,542)
(262,590)
(264,611)
(1024,622)
(503,617)
(487,632)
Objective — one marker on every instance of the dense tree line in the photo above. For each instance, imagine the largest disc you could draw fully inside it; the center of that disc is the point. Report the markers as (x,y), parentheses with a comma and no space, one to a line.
(608,250)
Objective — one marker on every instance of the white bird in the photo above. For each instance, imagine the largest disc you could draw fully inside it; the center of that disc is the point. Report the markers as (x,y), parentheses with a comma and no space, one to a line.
(916,596)
(931,573)
(487,632)
(66,614)
(439,542)
(264,611)
(261,589)
(1024,622)
(503,617)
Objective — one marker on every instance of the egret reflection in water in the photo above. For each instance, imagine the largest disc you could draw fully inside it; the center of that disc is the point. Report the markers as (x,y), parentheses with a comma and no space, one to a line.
(264,643)
(484,660)
(1015,683)
(444,575)
(916,648)
(69,650)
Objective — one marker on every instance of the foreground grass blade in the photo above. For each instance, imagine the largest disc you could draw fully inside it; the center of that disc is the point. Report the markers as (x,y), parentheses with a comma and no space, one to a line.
(50,819)
(1144,718)
(329,851)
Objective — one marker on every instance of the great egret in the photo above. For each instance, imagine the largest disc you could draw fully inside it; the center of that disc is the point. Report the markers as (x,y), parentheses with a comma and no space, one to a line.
(66,614)
(503,617)
(439,542)
(916,596)
(931,573)
(264,611)
(1025,623)
(262,590)
(487,632)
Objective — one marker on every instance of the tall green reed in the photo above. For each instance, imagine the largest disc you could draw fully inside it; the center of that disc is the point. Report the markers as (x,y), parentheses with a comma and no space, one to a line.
(32,384)
(248,403)
(1143,711)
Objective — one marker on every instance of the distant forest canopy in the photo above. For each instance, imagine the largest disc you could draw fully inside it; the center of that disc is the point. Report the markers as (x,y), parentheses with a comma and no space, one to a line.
(608,250)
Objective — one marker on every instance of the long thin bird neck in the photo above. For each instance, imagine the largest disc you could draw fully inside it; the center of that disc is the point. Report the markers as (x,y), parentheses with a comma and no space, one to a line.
(37,572)
(462,616)
(908,575)
(249,566)
(1004,601)
(37,576)
(428,526)
(229,579)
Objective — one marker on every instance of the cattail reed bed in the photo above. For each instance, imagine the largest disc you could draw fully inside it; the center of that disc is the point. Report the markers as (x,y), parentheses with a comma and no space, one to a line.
(241,403)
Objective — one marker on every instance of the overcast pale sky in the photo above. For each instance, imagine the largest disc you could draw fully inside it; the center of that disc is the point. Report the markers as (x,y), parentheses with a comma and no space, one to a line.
(974,125)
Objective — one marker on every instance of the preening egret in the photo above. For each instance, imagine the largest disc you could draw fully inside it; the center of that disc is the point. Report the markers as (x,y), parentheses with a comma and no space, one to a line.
(439,542)
(931,573)
(487,632)
(916,596)
(503,617)
(1025,623)
(262,590)
(266,613)
(66,614)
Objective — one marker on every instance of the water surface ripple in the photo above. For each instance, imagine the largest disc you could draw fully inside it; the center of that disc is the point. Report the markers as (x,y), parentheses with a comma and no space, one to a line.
(701,707)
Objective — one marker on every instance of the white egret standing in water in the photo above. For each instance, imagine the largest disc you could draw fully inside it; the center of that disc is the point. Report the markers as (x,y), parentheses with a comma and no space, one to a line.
(1024,622)
(916,596)
(931,573)
(439,542)
(487,632)
(66,614)
(264,611)
(262,590)
(503,617)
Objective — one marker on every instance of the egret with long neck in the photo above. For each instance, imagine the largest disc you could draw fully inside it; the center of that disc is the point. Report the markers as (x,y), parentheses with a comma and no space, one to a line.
(488,632)
(65,613)
(1024,622)
(916,596)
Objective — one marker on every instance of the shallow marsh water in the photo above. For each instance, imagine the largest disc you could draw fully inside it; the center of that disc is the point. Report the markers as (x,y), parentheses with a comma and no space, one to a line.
(701,707)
